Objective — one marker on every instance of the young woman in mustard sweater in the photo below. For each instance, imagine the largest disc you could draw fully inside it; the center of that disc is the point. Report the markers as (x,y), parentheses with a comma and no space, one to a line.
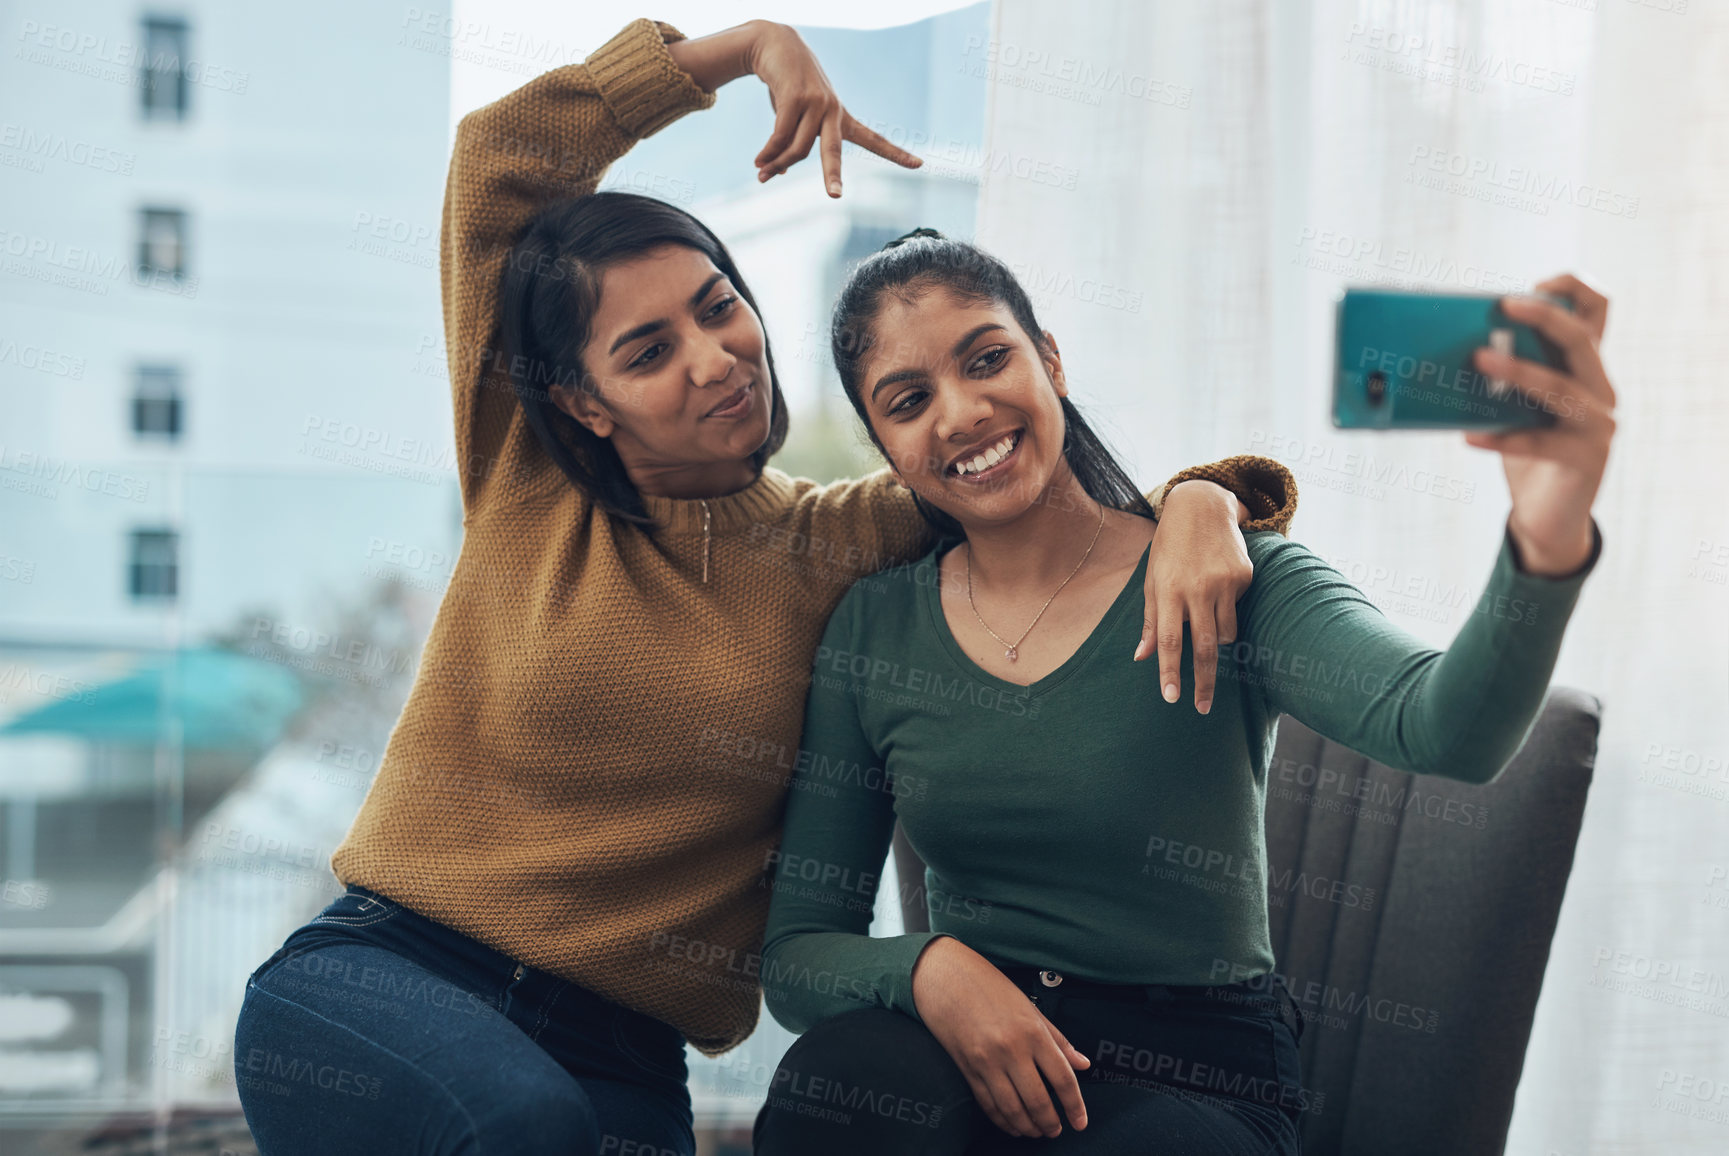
(1061,942)
(558,877)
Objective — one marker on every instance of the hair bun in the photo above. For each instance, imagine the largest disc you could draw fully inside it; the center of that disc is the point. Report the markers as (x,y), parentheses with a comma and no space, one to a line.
(921,231)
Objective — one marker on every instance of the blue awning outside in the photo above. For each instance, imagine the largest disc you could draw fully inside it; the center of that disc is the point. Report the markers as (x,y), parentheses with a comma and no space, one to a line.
(221,700)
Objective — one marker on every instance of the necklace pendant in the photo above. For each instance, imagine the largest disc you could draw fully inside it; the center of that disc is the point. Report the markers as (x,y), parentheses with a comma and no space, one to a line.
(1011,654)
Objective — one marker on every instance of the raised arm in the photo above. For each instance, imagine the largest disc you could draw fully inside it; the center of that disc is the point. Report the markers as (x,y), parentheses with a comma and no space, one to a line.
(1317,649)
(1328,657)
(551,139)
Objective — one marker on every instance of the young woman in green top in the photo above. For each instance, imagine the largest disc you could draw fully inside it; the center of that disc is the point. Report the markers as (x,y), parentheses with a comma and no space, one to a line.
(1046,791)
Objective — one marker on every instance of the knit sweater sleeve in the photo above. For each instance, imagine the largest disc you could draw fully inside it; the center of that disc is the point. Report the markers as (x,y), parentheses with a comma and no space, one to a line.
(1262,484)
(551,139)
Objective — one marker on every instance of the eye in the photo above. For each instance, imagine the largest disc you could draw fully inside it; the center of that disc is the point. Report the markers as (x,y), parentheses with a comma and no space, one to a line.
(906,402)
(724,305)
(643,358)
(996,355)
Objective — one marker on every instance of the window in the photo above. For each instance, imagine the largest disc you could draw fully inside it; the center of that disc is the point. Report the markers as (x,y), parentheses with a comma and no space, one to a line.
(156,402)
(162,243)
(155,566)
(162,73)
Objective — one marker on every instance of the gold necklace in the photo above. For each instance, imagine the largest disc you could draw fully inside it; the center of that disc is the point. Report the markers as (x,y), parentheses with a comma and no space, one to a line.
(1013,652)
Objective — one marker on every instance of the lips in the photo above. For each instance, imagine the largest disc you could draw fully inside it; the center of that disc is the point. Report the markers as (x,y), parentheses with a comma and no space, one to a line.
(982,461)
(735,403)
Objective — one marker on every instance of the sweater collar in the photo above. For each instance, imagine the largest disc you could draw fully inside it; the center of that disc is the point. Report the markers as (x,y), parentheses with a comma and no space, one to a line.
(766,497)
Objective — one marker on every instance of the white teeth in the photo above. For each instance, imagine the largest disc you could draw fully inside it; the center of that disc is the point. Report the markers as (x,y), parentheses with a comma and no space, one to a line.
(987,459)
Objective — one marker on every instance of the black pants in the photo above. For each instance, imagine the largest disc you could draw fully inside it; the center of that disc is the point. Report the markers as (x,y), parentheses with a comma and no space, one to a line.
(1175,1070)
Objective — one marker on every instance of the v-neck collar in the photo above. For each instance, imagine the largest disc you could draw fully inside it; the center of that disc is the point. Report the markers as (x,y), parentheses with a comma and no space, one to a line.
(930,592)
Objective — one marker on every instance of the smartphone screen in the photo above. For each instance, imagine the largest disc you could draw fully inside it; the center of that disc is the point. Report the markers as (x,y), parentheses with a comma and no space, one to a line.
(1405,360)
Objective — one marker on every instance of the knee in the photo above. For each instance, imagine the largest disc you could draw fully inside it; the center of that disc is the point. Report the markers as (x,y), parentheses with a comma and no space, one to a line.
(872,1080)
(870,1049)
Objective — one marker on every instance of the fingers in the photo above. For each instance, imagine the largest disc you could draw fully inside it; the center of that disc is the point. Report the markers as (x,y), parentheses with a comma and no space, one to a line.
(786,118)
(1548,389)
(1070,1052)
(875,142)
(1203,632)
(831,138)
(809,124)
(987,1102)
(1169,640)
(1006,1095)
(1035,1097)
(1565,330)
(1149,628)
(1063,1080)
(1225,618)
(1589,305)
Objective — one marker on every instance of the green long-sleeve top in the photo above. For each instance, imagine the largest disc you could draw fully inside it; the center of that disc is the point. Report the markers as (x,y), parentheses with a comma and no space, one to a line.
(1084,824)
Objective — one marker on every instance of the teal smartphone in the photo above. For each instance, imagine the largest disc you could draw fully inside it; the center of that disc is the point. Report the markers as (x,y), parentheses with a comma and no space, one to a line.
(1404,360)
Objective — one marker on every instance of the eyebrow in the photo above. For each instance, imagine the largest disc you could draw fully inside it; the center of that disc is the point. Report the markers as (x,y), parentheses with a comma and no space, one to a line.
(899,375)
(648,327)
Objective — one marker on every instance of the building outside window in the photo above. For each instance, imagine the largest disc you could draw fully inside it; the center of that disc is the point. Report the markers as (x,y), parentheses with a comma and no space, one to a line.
(156,402)
(162,243)
(162,73)
(154,570)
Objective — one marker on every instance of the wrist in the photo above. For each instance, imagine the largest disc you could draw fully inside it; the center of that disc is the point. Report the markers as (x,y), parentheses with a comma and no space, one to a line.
(1548,560)
(721,57)
(757,34)
(1213,492)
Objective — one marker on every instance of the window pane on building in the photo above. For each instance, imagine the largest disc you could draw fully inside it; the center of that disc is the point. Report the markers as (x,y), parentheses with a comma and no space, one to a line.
(162,72)
(154,570)
(156,402)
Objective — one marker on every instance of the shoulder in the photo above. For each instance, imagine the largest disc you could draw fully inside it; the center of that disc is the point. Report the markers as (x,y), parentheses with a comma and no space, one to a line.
(1271,548)
(869,496)
(1286,569)
(888,597)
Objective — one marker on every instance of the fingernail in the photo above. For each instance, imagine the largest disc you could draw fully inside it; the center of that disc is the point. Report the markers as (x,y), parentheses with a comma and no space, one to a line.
(1205,705)
(834,188)
(1170,692)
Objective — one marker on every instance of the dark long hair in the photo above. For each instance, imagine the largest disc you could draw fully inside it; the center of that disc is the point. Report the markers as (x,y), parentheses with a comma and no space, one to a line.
(548,296)
(924,260)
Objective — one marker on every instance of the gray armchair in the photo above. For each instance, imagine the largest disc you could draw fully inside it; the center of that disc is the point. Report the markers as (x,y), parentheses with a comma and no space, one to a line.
(1412,917)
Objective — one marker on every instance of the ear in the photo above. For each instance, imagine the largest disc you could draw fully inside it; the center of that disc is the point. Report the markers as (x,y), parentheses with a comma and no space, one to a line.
(582,406)
(1054,365)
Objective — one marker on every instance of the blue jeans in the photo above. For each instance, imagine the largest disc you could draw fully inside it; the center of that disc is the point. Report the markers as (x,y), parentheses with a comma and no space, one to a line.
(376,1030)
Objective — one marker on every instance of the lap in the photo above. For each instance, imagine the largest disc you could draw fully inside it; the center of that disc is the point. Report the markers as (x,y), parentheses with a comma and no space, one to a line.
(351,1047)
(877,1080)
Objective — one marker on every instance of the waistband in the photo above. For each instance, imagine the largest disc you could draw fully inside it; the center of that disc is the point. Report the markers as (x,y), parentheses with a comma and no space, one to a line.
(1258,995)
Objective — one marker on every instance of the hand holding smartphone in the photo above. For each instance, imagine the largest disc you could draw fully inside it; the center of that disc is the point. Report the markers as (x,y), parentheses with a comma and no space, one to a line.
(1521,374)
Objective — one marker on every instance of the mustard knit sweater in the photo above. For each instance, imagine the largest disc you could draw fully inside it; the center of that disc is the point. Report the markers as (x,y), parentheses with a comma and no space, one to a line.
(591,767)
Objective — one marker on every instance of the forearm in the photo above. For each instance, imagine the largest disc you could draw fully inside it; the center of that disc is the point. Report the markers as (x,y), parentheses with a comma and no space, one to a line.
(549,140)
(1332,660)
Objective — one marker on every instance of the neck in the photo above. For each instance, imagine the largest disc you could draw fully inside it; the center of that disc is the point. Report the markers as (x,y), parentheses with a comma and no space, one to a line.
(691,480)
(1040,547)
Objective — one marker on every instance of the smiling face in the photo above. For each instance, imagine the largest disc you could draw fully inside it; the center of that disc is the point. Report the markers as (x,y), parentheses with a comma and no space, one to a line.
(680,363)
(965,406)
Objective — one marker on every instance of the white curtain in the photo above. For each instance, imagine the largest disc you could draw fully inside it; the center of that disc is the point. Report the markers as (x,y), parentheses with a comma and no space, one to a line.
(1185,185)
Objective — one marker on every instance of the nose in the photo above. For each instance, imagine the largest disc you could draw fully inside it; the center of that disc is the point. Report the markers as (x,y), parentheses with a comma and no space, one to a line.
(959,408)
(710,361)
